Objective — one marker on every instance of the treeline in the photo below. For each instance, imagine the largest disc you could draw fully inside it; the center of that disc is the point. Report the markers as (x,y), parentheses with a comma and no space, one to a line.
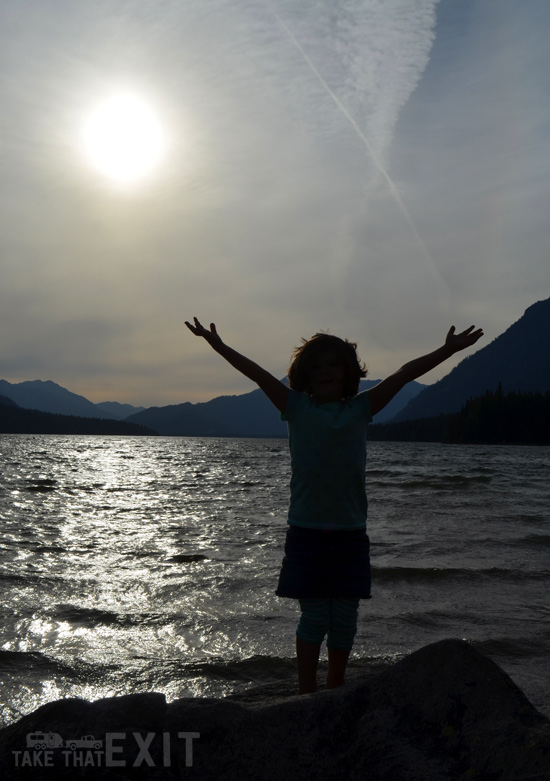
(498,418)
(420,430)
(515,417)
(17,420)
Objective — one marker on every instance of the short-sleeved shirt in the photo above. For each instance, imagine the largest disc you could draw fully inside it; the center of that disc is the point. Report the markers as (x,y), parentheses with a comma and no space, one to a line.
(328,458)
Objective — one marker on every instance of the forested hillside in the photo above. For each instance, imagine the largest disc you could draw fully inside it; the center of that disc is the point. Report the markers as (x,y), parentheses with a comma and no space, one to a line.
(519,359)
(495,417)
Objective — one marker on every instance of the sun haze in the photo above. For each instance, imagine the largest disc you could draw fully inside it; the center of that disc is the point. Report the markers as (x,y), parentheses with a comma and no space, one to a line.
(378,170)
(123,138)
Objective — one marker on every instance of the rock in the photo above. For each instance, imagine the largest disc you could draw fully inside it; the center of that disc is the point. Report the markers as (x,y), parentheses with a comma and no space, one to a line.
(444,712)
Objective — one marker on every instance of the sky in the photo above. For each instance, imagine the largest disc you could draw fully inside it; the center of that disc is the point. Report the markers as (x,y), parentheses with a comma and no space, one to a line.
(376,169)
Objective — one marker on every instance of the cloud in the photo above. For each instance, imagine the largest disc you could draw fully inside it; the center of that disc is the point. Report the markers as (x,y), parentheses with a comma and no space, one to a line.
(371,55)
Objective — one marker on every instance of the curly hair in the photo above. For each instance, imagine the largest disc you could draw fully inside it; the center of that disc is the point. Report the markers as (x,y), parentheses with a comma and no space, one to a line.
(304,356)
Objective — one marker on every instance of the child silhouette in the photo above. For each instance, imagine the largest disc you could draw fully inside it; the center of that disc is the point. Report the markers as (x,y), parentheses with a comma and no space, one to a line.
(326,564)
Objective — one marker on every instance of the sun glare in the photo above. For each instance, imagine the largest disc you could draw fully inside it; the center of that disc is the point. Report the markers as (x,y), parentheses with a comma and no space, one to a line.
(124,139)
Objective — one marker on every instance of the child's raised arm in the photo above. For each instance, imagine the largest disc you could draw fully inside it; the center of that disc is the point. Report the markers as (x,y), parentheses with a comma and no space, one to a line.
(384,392)
(273,388)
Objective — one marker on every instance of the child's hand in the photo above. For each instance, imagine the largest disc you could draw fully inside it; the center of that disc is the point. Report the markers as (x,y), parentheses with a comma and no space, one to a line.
(465,339)
(211,336)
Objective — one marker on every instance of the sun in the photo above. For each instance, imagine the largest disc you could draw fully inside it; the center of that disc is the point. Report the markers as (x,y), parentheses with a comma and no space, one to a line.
(124,139)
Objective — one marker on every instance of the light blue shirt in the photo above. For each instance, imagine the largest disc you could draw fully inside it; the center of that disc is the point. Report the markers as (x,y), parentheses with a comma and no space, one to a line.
(328,458)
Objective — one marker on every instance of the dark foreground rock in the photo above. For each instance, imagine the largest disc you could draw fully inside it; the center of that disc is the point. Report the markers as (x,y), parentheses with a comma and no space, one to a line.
(444,712)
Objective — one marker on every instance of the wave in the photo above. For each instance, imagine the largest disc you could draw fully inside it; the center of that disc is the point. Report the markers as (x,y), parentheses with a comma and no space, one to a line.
(254,668)
(535,540)
(431,574)
(92,617)
(512,647)
(184,558)
(30,664)
(30,579)
(441,482)
(41,485)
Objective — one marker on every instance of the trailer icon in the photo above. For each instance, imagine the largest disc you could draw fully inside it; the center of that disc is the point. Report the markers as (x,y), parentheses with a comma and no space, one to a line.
(45,740)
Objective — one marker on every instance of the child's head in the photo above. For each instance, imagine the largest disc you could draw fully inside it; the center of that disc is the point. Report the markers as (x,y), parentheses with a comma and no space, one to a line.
(307,356)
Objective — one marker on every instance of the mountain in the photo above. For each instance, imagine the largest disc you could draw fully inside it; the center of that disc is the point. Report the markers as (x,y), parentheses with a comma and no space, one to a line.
(47,396)
(248,415)
(113,409)
(519,359)
(406,394)
(17,420)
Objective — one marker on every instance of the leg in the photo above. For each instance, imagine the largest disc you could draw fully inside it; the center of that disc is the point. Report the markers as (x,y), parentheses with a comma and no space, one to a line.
(337,661)
(307,656)
(342,630)
(311,631)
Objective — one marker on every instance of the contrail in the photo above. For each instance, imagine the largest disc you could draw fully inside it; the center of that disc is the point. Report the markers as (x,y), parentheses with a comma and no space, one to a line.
(376,160)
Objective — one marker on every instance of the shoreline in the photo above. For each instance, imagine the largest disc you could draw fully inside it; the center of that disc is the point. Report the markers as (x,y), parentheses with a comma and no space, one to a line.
(444,711)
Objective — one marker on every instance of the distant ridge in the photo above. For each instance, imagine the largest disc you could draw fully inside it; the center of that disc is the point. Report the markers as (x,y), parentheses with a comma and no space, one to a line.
(247,415)
(48,396)
(117,410)
(518,359)
(16,420)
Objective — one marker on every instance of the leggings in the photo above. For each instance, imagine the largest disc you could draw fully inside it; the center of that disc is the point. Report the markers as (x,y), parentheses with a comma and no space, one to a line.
(335,617)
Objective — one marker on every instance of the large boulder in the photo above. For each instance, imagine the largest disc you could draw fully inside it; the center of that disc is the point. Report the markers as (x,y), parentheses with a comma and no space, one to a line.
(444,712)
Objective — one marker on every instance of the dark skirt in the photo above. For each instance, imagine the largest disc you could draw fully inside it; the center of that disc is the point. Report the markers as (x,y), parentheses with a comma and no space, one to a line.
(325,564)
